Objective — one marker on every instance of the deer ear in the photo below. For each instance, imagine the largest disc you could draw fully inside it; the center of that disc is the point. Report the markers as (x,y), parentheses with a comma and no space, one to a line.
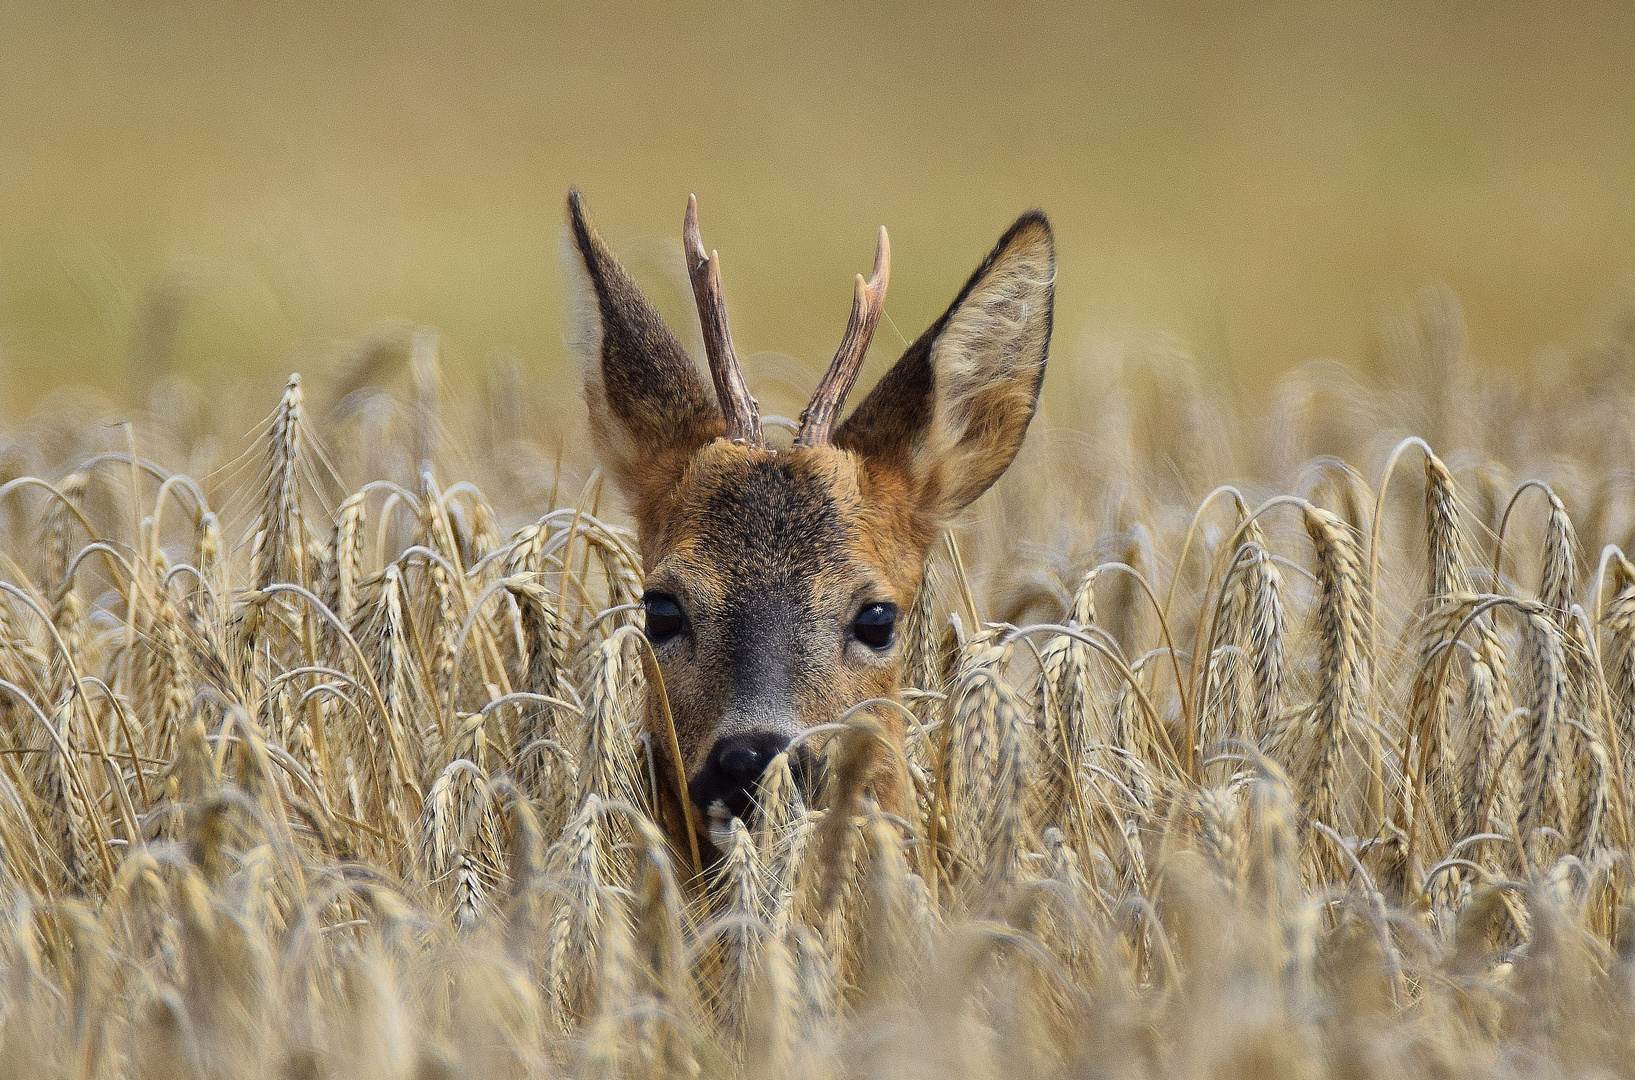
(952,412)
(649,407)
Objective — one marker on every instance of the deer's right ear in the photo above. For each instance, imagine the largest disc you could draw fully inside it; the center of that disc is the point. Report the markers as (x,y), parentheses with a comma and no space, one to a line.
(649,407)
(951,414)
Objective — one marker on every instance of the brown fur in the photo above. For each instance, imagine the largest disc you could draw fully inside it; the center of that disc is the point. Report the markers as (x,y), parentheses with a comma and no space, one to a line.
(772,553)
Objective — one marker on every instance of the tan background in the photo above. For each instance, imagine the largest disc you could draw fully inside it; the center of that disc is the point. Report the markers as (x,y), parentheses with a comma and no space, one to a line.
(235,186)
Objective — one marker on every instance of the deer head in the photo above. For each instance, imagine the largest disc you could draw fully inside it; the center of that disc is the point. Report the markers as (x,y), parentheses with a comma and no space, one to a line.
(774,577)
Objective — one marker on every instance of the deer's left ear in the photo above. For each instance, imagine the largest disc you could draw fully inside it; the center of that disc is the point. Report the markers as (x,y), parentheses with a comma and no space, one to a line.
(951,414)
(649,407)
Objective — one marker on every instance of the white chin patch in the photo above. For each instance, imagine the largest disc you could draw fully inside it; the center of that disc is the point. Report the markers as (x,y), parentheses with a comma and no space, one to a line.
(720,825)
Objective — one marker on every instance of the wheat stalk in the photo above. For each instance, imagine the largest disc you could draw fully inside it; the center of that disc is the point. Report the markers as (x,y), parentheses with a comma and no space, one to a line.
(1342,665)
(215,861)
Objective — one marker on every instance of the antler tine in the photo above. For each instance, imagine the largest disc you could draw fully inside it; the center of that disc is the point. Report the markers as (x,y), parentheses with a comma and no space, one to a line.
(743,416)
(868,301)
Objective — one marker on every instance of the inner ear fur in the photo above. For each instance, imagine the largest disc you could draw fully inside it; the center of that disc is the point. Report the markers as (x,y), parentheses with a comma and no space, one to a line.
(952,412)
(650,408)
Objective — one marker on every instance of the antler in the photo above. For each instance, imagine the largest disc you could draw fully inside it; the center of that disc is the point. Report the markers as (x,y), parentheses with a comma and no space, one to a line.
(743,416)
(868,301)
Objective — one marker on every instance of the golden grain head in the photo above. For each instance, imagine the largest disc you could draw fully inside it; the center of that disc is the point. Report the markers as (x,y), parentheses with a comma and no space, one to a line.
(1311,777)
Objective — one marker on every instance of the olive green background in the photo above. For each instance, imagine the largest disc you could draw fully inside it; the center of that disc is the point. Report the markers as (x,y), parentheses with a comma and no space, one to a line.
(237,187)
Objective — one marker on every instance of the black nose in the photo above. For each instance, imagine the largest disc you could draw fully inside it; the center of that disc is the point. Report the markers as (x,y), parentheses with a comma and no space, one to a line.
(733,768)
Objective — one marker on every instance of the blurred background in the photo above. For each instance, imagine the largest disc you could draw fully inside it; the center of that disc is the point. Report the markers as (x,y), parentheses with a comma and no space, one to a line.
(228,190)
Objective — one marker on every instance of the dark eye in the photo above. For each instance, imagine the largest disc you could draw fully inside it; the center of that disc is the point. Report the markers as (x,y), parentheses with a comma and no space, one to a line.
(665,619)
(876,625)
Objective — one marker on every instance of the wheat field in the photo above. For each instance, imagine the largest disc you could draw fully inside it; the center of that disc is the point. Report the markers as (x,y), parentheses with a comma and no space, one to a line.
(1283,738)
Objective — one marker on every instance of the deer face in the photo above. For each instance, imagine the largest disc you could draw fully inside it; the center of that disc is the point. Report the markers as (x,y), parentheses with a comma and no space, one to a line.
(772,597)
(775,577)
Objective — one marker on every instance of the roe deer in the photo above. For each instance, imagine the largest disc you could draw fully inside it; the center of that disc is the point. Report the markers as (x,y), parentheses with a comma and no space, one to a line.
(774,577)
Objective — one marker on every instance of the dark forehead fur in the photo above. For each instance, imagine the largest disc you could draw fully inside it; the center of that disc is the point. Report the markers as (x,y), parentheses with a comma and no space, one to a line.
(772,514)
(738,515)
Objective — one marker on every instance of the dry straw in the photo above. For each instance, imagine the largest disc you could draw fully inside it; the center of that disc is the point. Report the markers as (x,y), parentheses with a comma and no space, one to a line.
(1329,783)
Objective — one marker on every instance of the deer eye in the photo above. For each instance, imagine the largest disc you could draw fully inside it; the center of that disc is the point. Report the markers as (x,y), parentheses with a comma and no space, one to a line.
(665,619)
(876,625)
